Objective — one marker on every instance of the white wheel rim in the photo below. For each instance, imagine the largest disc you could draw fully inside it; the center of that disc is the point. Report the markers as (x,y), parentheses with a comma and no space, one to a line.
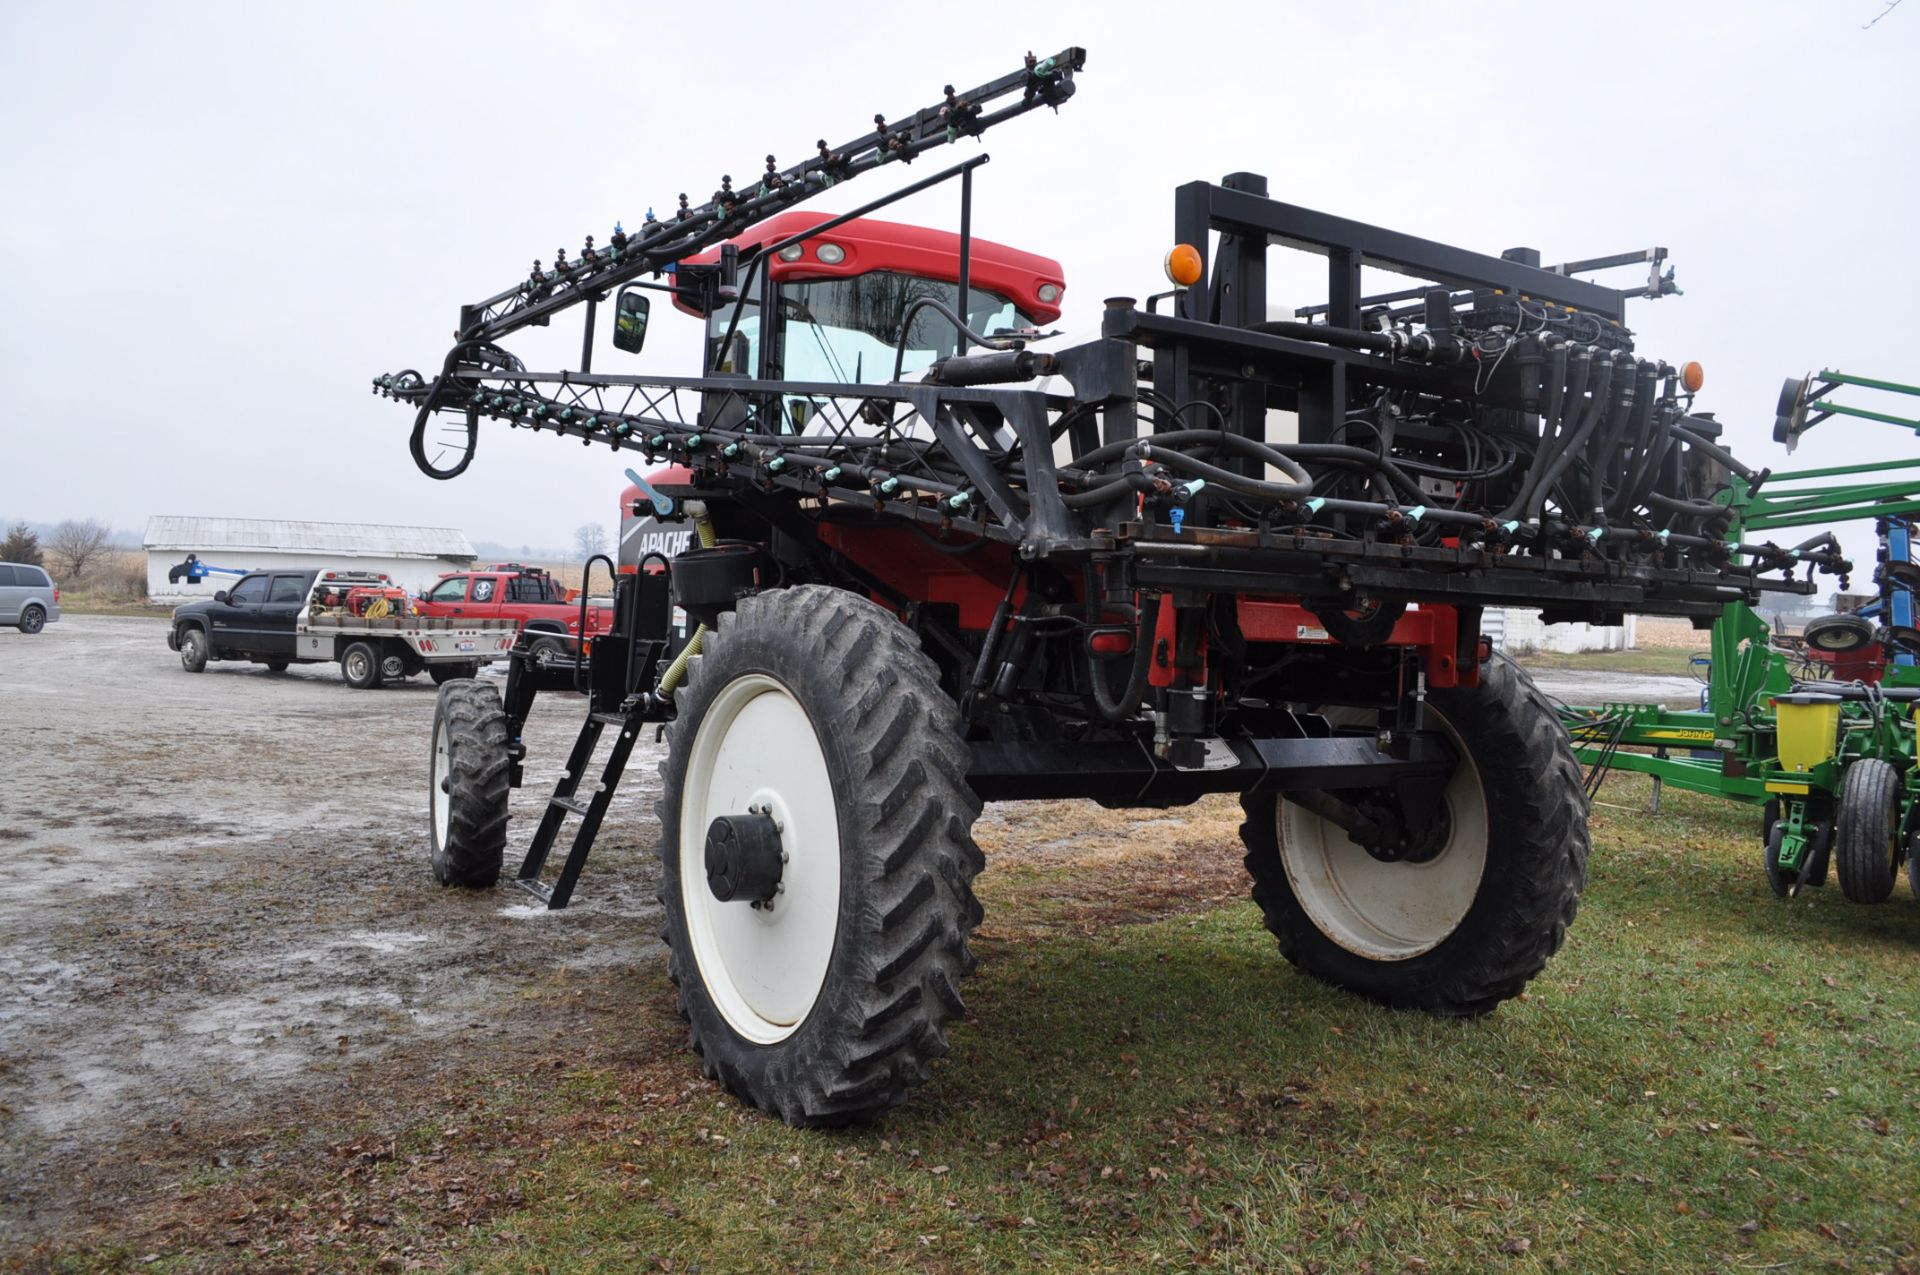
(442,778)
(1389,911)
(763,967)
(356,665)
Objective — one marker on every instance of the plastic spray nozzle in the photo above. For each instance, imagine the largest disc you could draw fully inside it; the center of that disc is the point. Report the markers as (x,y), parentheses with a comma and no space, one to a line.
(1176,516)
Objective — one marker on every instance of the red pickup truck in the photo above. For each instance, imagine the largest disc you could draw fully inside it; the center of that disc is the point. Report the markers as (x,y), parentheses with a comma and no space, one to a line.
(513,592)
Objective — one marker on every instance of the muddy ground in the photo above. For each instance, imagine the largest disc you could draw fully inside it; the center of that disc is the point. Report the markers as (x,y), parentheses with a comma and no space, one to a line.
(226,972)
(216,912)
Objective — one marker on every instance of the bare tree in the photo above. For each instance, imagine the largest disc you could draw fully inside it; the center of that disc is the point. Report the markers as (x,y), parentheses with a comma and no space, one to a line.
(590,538)
(78,543)
(21,545)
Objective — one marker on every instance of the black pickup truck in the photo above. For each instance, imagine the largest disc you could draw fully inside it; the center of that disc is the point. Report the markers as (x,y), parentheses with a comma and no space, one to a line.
(357,619)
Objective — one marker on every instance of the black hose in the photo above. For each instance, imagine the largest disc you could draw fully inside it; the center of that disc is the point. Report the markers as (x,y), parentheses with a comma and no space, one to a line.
(947,312)
(1369,508)
(1179,437)
(1129,701)
(1226,477)
(1282,456)
(1549,428)
(1714,450)
(1348,338)
(1606,455)
(1687,508)
(1107,491)
(1642,431)
(1590,413)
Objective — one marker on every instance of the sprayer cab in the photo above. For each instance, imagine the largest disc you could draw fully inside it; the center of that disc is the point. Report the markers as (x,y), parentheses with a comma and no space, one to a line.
(807,296)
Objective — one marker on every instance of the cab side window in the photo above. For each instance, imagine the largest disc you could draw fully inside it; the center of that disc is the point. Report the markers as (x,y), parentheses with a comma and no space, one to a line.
(526,589)
(483,589)
(288,589)
(250,590)
(452,589)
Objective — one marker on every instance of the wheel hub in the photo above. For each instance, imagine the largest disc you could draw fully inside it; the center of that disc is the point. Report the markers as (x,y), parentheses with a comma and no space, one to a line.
(1399,843)
(744,858)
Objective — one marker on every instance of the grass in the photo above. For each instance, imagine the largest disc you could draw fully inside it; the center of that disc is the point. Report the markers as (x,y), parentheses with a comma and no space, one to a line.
(85,602)
(1651,660)
(1705,1078)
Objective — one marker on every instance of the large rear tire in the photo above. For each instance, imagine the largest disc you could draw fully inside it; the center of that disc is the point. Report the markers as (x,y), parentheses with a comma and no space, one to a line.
(1866,830)
(814,727)
(444,673)
(1461,932)
(467,791)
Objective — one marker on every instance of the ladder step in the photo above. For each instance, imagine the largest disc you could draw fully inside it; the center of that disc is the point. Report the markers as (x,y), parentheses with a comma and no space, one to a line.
(568,803)
(537,888)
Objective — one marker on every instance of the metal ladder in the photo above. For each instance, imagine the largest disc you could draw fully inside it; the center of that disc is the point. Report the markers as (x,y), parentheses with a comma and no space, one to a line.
(566,801)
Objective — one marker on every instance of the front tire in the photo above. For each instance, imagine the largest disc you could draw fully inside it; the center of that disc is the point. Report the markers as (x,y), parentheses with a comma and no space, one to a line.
(467,791)
(543,651)
(815,709)
(360,666)
(1468,928)
(1866,830)
(193,650)
(33,619)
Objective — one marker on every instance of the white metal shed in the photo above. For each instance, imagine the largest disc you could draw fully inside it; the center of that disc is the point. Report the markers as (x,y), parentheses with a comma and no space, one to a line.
(413,556)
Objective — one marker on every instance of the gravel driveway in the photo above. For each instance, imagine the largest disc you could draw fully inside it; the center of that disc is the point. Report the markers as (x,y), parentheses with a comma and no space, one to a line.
(217,906)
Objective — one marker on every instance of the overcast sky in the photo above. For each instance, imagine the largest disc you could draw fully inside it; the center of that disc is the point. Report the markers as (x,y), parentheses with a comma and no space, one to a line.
(222,221)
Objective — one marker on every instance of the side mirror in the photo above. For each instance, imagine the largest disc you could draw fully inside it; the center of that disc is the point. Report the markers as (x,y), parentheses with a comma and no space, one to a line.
(630,320)
(220,595)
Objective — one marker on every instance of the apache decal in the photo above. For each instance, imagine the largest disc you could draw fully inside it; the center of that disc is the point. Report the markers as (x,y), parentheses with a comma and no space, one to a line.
(642,536)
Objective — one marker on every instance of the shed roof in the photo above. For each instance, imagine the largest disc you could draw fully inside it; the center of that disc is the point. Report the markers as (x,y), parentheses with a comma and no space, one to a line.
(346,539)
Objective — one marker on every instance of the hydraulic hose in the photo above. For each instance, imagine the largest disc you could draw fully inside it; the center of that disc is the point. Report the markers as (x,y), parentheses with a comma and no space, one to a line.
(1590,412)
(1556,382)
(1124,707)
(677,671)
(946,312)
(1606,455)
(1706,509)
(1226,477)
(1217,437)
(1565,388)
(1719,453)
(1285,457)
(1642,432)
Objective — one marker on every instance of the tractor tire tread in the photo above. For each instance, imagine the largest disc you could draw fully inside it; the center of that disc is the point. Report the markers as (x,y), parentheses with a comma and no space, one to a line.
(1534,787)
(1864,831)
(477,796)
(906,818)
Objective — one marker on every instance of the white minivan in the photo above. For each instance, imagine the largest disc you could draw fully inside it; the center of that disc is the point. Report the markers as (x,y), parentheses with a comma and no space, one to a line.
(28,600)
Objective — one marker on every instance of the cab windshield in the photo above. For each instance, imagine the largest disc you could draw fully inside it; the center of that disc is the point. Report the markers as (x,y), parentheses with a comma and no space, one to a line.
(846,331)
